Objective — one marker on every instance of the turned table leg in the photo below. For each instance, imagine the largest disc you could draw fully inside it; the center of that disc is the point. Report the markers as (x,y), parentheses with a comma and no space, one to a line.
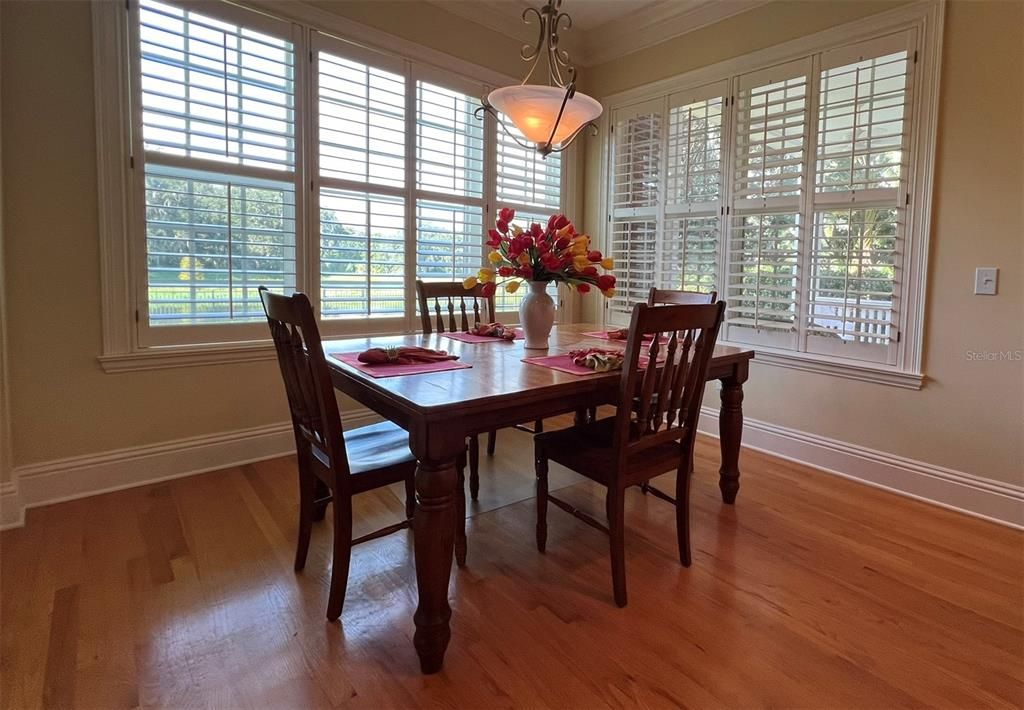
(730,427)
(434,538)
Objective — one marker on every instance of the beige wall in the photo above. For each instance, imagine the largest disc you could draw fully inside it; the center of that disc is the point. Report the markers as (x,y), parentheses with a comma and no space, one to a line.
(970,415)
(63,404)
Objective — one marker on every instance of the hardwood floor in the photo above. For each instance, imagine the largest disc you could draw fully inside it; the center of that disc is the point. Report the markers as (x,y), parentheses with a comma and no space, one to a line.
(812,591)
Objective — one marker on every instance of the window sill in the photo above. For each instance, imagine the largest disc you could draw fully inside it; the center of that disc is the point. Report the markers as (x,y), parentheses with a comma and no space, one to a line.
(849,369)
(186,356)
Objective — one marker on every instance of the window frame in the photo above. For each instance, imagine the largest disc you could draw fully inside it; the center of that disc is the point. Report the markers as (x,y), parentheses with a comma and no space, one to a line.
(128,342)
(924,20)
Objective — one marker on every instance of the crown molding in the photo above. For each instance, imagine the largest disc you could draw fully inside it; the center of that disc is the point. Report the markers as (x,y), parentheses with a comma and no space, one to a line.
(641,28)
(656,23)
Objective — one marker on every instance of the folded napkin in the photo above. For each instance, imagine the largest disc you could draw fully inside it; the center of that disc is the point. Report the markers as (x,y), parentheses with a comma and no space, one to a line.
(403,355)
(620,334)
(598,359)
(493,330)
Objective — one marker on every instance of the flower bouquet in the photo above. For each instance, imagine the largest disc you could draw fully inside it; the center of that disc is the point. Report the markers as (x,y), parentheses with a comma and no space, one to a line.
(539,254)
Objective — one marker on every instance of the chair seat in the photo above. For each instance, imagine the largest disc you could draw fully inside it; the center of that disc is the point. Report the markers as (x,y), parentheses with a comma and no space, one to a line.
(589,450)
(378,455)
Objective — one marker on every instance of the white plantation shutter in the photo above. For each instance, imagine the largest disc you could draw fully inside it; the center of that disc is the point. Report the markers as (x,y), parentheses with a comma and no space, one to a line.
(689,249)
(360,166)
(768,175)
(861,159)
(216,90)
(532,186)
(636,185)
(449,182)
(216,95)
(362,254)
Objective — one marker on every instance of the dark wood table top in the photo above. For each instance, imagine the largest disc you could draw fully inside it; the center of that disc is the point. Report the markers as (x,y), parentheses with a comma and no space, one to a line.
(497,373)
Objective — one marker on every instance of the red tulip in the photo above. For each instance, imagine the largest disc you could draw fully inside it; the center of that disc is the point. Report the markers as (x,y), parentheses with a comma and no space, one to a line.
(594,256)
(563,243)
(506,214)
(536,230)
(590,271)
(488,289)
(605,282)
(551,222)
(505,271)
(543,247)
(502,226)
(561,222)
(582,288)
(550,261)
(525,271)
(494,238)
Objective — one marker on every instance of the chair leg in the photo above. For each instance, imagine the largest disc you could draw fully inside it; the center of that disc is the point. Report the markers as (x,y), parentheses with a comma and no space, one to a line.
(320,491)
(492,439)
(541,462)
(474,466)
(342,556)
(410,496)
(538,426)
(683,514)
(307,493)
(615,503)
(460,522)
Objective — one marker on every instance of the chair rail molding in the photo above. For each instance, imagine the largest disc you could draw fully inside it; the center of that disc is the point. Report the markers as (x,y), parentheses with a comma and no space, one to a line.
(75,477)
(966,493)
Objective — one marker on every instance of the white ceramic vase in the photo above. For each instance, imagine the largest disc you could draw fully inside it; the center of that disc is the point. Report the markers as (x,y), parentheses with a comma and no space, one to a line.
(537,316)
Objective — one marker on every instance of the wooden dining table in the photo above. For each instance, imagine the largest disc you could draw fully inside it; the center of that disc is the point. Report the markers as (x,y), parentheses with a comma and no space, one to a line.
(441,409)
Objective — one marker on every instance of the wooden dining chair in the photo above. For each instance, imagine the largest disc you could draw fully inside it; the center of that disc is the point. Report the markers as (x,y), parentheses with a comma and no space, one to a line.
(661,297)
(334,465)
(642,440)
(448,306)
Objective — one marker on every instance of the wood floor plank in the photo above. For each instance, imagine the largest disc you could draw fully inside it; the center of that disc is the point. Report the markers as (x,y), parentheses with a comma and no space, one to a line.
(812,591)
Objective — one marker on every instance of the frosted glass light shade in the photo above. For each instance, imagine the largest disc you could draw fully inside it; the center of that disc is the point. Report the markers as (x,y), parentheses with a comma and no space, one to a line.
(534,108)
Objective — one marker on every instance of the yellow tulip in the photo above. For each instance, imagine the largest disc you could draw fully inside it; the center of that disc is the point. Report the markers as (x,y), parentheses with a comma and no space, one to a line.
(495,257)
(516,230)
(524,258)
(565,231)
(608,262)
(469,282)
(609,293)
(580,262)
(512,286)
(486,275)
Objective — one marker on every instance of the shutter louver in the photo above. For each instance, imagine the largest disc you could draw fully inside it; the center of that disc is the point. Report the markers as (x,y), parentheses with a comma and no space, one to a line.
(771,131)
(858,215)
(449,245)
(636,184)
(217,105)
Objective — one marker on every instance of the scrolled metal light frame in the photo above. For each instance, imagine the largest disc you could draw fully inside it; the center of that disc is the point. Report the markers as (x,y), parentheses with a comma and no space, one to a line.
(550,19)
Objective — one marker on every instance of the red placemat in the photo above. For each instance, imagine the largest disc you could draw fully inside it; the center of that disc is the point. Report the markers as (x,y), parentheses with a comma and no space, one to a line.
(471,338)
(603,335)
(396,370)
(564,363)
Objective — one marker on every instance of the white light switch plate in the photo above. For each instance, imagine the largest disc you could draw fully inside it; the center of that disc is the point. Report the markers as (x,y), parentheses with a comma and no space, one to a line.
(985,281)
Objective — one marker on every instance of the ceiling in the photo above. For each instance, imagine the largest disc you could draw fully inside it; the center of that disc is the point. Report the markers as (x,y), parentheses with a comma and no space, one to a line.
(603,29)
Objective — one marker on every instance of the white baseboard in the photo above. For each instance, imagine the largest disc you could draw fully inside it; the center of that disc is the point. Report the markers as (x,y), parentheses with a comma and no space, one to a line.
(80,476)
(66,479)
(12,512)
(980,497)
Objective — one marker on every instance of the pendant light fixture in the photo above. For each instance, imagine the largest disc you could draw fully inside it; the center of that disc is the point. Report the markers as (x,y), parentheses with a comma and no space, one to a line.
(549,116)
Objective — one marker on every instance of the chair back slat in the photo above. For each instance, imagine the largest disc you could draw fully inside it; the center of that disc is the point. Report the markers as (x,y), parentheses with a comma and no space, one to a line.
(663,297)
(307,381)
(440,298)
(660,402)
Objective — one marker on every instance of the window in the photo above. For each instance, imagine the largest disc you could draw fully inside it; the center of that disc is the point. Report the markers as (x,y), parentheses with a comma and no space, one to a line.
(788,190)
(348,176)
